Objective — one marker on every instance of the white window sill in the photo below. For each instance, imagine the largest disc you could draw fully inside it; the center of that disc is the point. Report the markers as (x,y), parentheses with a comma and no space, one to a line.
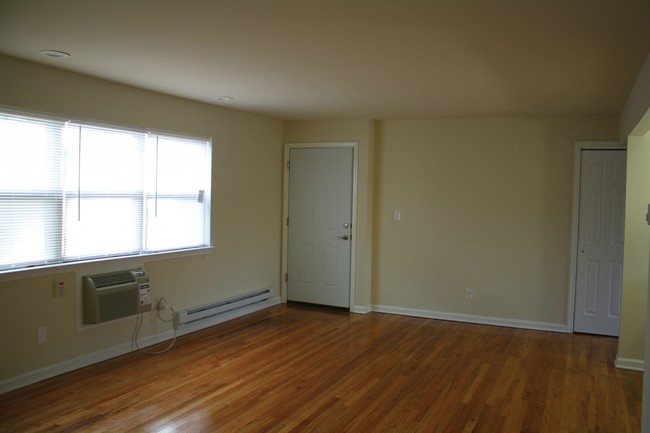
(132,261)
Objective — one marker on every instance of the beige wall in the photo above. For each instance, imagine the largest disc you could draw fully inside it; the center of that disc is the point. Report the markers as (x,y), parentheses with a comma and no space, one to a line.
(485,204)
(361,131)
(634,126)
(633,119)
(246,213)
(637,241)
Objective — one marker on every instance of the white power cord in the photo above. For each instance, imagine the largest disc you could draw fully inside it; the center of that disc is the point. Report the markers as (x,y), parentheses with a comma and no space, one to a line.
(139,321)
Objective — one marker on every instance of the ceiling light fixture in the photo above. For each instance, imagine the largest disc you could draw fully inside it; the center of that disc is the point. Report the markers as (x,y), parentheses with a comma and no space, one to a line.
(55,53)
(224,98)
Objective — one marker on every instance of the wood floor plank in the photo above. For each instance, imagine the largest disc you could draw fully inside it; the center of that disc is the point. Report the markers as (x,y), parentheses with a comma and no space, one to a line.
(299,368)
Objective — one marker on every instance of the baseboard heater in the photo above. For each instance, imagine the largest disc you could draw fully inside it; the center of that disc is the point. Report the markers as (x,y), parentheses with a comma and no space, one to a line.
(212,310)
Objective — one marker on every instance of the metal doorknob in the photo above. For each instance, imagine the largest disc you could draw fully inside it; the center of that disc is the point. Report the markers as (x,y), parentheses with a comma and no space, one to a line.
(344,237)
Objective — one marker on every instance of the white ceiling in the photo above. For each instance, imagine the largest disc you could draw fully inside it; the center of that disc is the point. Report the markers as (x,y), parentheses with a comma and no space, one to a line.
(297,59)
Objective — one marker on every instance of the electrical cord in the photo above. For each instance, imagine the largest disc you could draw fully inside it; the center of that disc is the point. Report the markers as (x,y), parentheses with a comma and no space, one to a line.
(139,321)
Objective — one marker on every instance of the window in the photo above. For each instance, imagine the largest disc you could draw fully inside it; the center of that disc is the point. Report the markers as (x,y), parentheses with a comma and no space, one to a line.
(72,192)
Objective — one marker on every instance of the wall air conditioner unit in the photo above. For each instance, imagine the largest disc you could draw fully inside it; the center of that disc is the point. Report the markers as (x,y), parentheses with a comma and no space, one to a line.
(115,295)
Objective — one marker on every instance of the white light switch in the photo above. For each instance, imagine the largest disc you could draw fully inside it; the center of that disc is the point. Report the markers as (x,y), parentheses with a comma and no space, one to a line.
(398,215)
(41,335)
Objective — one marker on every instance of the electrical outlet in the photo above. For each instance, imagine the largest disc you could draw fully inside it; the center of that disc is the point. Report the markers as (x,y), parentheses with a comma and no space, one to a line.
(469,293)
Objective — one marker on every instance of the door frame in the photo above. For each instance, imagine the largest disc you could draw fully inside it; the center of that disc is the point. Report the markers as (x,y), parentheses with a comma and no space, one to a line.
(573,268)
(285,210)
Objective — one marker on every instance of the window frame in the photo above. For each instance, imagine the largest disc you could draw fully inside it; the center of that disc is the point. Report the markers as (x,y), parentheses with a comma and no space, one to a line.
(62,263)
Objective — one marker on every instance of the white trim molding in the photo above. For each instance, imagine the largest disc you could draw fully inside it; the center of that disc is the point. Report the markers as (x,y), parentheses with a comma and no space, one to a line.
(122,262)
(66,366)
(361,309)
(467,318)
(629,364)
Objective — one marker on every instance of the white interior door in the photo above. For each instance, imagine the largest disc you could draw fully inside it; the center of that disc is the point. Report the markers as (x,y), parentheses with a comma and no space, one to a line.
(601,223)
(319,232)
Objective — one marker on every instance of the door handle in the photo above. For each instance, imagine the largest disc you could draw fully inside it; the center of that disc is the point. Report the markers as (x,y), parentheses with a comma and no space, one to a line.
(344,237)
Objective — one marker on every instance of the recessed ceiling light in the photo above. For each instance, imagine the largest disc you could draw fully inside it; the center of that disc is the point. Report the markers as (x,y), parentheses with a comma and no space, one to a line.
(224,98)
(55,53)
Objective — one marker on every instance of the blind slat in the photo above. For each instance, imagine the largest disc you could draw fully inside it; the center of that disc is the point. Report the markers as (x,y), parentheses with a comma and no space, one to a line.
(73,192)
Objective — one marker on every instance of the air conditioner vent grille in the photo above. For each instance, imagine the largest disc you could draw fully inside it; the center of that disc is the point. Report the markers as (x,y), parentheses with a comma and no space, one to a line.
(118,304)
(113,279)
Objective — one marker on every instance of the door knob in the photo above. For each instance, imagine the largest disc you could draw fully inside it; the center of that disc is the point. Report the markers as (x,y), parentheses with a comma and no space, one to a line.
(344,237)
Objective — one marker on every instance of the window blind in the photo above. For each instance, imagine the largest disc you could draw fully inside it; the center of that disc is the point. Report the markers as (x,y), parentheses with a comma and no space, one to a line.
(30,191)
(71,191)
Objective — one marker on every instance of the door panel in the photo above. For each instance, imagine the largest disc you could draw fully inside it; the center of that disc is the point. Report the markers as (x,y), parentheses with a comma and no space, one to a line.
(320,212)
(600,242)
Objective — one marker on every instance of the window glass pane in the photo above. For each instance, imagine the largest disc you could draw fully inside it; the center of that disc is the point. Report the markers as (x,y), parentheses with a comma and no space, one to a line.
(178,192)
(70,191)
(100,160)
(29,230)
(104,192)
(29,155)
(106,226)
(179,224)
(30,191)
(181,165)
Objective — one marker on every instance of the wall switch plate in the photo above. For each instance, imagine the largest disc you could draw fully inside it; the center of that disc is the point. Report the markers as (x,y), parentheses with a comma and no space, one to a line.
(41,335)
(469,293)
(58,290)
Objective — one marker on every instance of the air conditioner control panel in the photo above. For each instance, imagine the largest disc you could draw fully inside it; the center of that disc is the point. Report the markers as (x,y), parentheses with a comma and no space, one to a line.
(144,289)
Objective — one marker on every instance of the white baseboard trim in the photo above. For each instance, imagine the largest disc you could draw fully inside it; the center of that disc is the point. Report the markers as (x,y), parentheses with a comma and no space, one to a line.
(79,362)
(361,309)
(481,320)
(34,376)
(630,364)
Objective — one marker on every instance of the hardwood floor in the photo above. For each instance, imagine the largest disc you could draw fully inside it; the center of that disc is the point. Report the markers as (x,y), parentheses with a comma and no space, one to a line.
(300,368)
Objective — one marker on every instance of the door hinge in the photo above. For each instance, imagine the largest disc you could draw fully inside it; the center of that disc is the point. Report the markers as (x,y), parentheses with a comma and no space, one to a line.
(286,278)
(287,221)
(288,165)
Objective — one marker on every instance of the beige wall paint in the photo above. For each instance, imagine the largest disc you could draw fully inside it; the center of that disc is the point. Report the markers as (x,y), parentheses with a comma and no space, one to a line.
(633,120)
(637,241)
(634,127)
(485,204)
(246,213)
(361,131)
